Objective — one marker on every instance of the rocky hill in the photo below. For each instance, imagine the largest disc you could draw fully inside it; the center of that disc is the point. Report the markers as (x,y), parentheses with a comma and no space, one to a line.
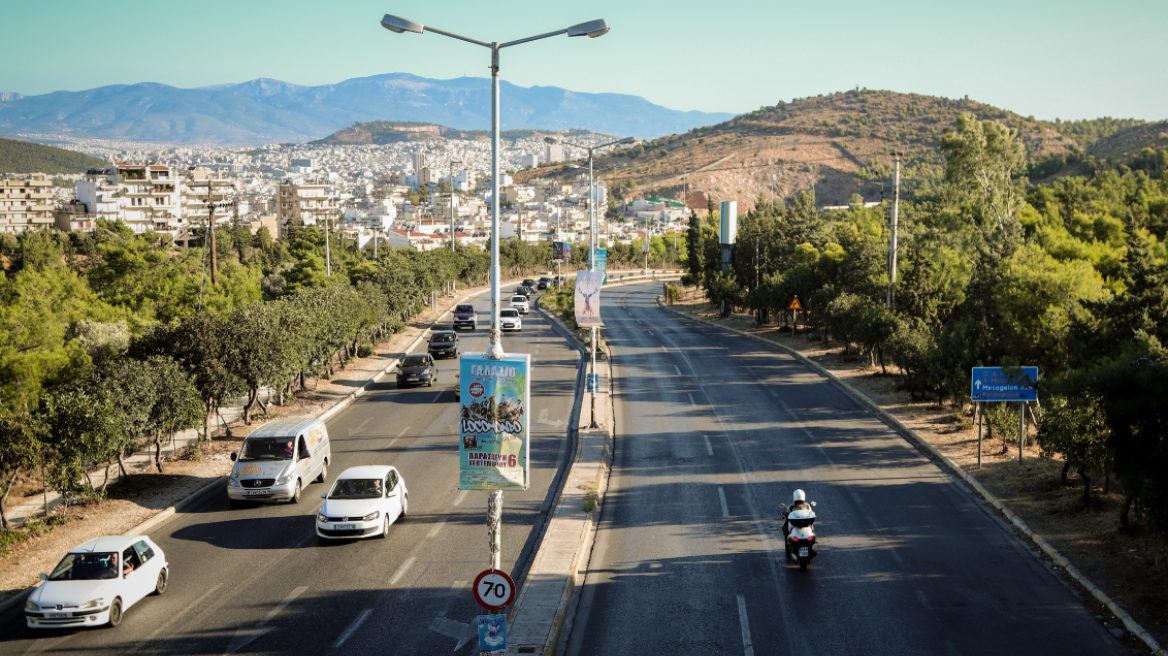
(1121,147)
(385,132)
(837,145)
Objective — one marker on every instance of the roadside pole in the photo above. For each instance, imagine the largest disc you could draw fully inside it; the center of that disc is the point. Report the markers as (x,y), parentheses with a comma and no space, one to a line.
(1021,428)
(980,408)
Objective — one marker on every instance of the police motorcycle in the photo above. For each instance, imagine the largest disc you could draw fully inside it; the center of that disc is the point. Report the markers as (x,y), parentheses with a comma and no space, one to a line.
(798,529)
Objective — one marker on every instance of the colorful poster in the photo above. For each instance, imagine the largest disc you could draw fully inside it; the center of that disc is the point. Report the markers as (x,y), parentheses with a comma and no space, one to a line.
(492,634)
(602,263)
(493,424)
(588,284)
(561,250)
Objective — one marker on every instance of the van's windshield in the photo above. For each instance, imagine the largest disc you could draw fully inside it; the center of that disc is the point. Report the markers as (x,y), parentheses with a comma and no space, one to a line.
(267,448)
(464,309)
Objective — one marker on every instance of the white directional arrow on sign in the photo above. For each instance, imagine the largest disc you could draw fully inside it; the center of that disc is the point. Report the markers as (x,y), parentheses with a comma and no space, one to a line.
(977,385)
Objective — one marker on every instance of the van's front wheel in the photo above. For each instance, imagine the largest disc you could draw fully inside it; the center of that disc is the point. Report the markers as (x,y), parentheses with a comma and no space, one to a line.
(296,493)
(323,473)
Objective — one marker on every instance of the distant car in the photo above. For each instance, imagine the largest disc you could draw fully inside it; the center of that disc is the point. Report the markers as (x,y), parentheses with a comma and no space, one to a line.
(363,502)
(417,370)
(443,344)
(523,290)
(95,583)
(466,317)
(529,282)
(509,320)
(543,283)
(519,302)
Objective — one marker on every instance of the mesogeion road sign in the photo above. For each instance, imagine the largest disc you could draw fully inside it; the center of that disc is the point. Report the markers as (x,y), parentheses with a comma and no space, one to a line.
(494,590)
(1005,384)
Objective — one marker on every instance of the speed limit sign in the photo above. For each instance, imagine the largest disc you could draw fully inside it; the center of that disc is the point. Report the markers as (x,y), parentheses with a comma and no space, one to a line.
(494,590)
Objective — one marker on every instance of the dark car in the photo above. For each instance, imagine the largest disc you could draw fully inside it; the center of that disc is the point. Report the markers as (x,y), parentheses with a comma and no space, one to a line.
(530,282)
(524,290)
(543,283)
(465,316)
(417,370)
(443,344)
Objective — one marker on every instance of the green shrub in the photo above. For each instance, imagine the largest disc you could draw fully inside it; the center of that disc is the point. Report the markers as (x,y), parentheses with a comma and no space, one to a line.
(364,351)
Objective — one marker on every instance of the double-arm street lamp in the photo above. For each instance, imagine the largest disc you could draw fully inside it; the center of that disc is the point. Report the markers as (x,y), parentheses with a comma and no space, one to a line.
(592,233)
(591,29)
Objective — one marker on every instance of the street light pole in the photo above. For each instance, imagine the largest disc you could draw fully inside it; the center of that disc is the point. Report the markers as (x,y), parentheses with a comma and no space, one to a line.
(591,29)
(452,163)
(592,238)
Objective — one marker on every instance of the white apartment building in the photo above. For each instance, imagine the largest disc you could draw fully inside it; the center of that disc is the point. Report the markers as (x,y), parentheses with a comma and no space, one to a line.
(26,203)
(529,160)
(205,196)
(303,204)
(146,197)
(555,153)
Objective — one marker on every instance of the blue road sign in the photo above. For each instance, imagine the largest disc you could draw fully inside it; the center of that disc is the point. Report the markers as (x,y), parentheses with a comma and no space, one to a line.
(1000,384)
(593,382)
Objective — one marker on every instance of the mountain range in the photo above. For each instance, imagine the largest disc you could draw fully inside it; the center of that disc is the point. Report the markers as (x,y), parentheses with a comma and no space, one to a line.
(266,111)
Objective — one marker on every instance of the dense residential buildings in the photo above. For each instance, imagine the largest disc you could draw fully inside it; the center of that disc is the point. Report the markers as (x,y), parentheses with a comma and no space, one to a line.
(300,203)
(144,196)
(25,203)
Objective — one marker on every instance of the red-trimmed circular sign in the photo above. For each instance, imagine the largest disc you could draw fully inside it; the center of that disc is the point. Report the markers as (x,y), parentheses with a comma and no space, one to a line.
(476,390)
(494,590)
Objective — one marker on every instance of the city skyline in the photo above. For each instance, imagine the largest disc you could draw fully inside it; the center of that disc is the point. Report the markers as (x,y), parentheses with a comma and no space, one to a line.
(1085,61)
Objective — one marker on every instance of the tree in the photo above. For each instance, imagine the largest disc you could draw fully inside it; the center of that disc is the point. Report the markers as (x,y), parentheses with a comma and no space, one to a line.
(82,430)
(177,405)
(20,451)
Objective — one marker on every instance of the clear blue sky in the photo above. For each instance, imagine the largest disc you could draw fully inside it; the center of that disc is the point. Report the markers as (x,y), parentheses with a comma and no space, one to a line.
(1072,59)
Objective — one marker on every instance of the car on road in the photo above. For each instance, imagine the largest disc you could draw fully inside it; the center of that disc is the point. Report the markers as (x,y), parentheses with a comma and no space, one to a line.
(98,581)
(509,320)
(529,282)
(519,302)
(362,503)
(523,290)
(466,317)
(418,369)
(278,459)
(543,283)
(443,344)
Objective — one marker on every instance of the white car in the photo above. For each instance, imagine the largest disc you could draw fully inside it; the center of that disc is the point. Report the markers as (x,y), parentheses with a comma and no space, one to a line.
(363,503)
(519,302)
(97,582)
(509,320)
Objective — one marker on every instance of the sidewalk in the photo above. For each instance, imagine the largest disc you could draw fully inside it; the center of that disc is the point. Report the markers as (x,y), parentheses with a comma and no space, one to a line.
(542,606)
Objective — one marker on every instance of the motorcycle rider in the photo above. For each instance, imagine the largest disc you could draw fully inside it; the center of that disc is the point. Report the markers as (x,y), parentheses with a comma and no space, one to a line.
(798,502)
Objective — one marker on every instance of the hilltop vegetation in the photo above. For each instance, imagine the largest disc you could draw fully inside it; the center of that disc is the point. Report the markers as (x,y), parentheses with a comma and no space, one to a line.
(27,157)
(384,132)
(1086,132)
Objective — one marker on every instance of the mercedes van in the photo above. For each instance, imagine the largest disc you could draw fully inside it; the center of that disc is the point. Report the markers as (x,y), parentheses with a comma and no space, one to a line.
(278,459)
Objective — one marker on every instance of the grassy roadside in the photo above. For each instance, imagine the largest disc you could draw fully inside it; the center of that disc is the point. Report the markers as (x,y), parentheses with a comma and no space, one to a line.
(1130,566)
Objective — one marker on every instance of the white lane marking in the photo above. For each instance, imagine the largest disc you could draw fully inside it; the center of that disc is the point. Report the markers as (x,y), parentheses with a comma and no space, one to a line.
(664,349)
(403,431)
(691,401)
(352,627)
(709,449)
(650,332)
(401,571)
(245,636)
(924,600)
(437,396)
(437,527)
(196,604)
(747,647)
(722,498)
(677,369)
(460,498)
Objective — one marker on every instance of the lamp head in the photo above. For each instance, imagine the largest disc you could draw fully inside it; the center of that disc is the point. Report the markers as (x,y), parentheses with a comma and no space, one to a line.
(627,140)
(591,29)
(551,140)
(397,25)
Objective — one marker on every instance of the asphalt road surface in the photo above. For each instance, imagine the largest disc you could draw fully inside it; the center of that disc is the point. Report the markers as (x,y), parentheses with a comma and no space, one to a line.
(256,581)
(713,432)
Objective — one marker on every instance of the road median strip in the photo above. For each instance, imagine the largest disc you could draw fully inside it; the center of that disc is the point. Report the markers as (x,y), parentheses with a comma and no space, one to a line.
(1129,623)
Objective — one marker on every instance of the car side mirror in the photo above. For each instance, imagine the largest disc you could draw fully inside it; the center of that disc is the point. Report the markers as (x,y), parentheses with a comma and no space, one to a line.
(234,455)
(813,503)
(324,495)
(43,576)
(782,505)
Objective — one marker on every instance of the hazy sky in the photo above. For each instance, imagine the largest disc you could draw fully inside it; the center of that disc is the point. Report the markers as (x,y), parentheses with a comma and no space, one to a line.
(1071,59)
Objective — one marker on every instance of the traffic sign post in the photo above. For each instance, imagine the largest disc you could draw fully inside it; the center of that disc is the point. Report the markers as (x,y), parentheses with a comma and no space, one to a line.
(794,306)
(494,589)
(1004,385)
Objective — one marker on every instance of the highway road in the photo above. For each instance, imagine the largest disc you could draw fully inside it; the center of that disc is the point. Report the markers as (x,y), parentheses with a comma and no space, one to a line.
(713,432)
(256,580)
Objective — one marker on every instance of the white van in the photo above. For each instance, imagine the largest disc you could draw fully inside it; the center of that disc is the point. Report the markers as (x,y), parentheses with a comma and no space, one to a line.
(278,459)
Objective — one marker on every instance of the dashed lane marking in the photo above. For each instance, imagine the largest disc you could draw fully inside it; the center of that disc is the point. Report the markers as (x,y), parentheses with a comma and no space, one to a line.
(437,527)
(709,449)
(353,627)
(722,499)
(747,647)
(401,571)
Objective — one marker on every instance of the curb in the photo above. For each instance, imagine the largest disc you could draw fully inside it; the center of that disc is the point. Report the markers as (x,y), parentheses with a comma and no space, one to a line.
(1129,623)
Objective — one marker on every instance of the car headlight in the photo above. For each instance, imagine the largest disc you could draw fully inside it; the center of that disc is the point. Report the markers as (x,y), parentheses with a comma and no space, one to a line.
(322,518)
(233,481)
(93,603)
(426,372)
(28,605)
(284,480)
(371,516)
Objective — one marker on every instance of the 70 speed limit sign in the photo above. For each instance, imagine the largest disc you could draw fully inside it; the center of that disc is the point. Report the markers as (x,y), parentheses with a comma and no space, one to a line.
(494,590)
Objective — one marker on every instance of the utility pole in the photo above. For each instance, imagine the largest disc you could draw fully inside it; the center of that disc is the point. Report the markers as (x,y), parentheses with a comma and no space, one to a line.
(892,235)
(452,163)
(328,260)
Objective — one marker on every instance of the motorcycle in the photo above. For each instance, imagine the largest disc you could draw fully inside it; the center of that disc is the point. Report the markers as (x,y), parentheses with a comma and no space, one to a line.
(800,538)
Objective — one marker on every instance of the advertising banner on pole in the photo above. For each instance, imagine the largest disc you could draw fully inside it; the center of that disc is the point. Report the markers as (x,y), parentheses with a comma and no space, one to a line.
(492,634)
(561,250)
(602,263)
(588,284)
(493,431)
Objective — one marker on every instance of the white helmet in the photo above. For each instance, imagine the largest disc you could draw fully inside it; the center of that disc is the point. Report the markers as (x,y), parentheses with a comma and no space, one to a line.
(798,496)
